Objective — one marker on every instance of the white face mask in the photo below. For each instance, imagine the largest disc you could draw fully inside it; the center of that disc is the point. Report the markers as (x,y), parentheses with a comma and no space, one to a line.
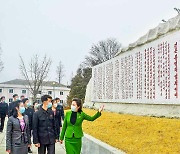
(49,105)
(29,104)
(36,106)
(55,105)
(73,108)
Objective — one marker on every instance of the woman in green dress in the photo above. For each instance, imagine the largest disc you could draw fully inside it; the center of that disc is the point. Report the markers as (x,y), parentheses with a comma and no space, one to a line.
(72,127)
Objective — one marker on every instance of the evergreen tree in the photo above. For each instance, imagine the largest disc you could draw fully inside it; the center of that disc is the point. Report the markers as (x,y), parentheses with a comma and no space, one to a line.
(79,83)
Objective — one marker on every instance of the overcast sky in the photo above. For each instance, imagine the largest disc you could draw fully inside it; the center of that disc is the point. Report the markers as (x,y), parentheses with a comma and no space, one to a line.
(66,29)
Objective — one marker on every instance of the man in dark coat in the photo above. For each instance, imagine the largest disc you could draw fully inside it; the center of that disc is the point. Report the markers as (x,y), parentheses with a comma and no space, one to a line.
(3,112)
(61,109)
(44,131)
(11,105)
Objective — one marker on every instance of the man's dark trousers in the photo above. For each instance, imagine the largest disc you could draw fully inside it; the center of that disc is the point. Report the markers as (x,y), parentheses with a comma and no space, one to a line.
(50,149)
(2,117)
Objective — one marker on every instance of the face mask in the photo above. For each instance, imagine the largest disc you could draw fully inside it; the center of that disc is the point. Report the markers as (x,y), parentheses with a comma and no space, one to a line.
(59,103)
(55,105)
(36,106)
(29,104)
(49,105)
(73,108)
(22,110)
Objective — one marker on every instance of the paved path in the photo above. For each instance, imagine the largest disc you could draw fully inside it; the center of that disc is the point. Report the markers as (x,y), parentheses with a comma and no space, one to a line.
(59,148)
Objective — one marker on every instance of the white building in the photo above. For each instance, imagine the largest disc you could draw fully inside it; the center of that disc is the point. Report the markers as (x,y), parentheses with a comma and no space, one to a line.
(20,87)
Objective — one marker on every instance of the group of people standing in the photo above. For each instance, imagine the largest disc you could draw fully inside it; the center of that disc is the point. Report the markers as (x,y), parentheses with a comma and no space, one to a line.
(44,123)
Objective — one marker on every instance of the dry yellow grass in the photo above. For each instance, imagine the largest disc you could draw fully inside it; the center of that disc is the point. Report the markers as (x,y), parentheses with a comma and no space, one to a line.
(136,134)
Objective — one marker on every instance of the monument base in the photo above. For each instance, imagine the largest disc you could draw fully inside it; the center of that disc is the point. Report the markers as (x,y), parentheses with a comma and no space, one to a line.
(171,111)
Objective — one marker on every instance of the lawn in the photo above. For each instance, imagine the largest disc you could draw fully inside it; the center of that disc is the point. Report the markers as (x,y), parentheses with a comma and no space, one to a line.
(136,134)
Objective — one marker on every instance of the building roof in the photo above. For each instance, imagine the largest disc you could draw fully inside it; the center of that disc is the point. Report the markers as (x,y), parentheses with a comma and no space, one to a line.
(24,82)
(163,28)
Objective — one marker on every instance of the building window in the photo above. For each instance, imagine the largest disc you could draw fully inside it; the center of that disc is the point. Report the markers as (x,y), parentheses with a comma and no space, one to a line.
(0,90)
(61,92)
(10,99)
(11,91)
(23,91)
(49,92)
(39,92)
(61,101)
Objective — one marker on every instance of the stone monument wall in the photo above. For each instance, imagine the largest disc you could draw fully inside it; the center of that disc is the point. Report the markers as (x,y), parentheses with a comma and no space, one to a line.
(145,75)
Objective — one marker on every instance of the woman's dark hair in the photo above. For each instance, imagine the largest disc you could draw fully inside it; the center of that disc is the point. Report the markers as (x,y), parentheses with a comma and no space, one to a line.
(22,96)
(35,103)
(53,101)
(57,99)
(16,105)
(2,98)
(24,100)
(79,104)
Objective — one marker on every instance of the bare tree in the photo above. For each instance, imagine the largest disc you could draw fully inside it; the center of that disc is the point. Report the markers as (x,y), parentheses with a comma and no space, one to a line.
(35,73)
(60,72)
(1,62)
(102,51)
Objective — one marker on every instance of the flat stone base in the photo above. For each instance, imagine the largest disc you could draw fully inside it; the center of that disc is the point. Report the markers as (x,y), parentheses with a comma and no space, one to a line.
(92,145)
(139,109)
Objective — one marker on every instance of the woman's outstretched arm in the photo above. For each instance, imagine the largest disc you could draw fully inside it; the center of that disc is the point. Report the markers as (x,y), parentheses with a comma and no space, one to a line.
(92,118)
